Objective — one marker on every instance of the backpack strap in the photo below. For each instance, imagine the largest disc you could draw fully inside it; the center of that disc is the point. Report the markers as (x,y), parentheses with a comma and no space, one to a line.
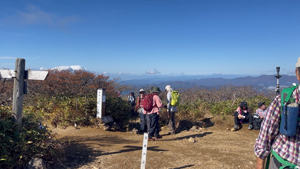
(284,162)
(288,91)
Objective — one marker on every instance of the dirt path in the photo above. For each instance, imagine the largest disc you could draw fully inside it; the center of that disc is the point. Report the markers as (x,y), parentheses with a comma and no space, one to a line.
(215,147)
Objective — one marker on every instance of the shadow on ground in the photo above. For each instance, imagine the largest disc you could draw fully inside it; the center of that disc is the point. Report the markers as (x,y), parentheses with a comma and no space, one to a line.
(135,148)
(186,166)
(82,150)
(188,136)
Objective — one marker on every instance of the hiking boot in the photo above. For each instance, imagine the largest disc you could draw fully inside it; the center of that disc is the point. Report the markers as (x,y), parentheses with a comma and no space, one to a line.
(235,128)
(250,127)
(159,137)
(151,139)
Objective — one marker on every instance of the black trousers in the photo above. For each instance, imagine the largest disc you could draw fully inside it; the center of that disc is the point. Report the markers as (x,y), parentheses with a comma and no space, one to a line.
(154,128)
(248,119)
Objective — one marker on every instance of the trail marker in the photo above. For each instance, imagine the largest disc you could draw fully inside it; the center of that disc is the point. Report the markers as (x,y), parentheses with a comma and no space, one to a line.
(101,98)
(144,151)
(20,86)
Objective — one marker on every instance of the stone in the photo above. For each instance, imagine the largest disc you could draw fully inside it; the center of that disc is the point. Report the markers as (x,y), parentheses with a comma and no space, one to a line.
(36,163)
(106,127)
(135,131)
(208,115)
(192,140)
(194,128)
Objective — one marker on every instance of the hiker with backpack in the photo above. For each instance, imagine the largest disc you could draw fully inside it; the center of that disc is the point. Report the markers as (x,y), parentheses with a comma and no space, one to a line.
(242,116)
(131,101)
(152,103)
(280,130)
(172,102)
(259,115)
(141,111)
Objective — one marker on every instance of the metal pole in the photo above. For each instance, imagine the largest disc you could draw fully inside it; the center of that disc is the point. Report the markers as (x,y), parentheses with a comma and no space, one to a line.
(18,91)
(277,77)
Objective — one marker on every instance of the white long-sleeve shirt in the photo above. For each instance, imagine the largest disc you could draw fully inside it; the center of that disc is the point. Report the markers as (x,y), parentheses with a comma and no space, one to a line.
(169,99)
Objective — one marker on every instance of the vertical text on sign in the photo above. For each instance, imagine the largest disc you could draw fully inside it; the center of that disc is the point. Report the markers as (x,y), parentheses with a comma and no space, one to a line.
(144,151)
(99,103)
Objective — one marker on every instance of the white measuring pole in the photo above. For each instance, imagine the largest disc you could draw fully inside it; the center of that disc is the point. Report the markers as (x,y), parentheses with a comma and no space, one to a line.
(144,151)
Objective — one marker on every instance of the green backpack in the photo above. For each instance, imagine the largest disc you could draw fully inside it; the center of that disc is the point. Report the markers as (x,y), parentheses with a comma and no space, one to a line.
(288,122)
(175,98)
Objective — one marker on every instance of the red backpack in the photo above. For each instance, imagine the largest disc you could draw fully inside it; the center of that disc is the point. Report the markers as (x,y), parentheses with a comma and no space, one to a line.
(148,102)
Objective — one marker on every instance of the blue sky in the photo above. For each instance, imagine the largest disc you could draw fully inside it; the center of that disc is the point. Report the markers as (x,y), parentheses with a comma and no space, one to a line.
(191,37)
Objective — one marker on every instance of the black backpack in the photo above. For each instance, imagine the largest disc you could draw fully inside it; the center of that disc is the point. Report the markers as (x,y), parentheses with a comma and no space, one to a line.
(257,123)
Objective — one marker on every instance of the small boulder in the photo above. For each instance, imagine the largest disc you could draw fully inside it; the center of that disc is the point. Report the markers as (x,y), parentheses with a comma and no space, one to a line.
(192,140)
(194,128)
(134,131)
(106,127)
(36,163)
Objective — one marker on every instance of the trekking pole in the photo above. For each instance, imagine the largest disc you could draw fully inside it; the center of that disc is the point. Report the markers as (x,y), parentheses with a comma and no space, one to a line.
(277,90)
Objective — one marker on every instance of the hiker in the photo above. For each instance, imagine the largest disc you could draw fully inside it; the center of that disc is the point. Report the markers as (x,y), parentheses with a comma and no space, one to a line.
(259,115)
(171,109)
(242,116)
(261,111)
(154,115)
(280,131)
(147,115)
(141,111)
(119,93)
(131,101)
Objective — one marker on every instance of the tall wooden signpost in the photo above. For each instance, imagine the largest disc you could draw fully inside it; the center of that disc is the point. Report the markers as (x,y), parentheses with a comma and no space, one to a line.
(20,86)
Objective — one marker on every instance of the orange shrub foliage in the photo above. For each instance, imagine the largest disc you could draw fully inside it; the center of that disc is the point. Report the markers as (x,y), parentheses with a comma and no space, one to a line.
(77,83)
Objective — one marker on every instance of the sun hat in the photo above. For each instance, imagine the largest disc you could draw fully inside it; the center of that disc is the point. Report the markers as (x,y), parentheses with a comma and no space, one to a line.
(261,103)
(156,90)
(168,88)
(298,62)
(243,104)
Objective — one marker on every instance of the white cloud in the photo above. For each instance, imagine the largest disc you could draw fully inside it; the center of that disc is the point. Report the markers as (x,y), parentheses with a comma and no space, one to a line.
(7,57)
(33,15)
(155,71)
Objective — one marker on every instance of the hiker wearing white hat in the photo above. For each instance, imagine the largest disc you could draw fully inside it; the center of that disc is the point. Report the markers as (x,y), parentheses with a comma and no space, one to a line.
(141,111)
(171,109)
(279,134)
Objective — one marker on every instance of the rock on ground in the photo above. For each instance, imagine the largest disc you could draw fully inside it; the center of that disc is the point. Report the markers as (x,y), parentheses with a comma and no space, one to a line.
(36,163)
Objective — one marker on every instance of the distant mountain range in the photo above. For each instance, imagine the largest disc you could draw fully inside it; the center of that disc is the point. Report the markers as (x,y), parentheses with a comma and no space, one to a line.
(263,81)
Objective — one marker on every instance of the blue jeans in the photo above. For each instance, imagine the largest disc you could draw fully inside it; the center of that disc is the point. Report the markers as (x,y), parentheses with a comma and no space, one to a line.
(154,128)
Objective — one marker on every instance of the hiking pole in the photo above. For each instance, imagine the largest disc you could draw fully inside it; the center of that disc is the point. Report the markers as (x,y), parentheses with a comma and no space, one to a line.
(277,90)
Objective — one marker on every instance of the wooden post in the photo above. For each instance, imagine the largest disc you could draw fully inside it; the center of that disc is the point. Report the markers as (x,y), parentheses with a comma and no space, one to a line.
(20,87)
(18,91)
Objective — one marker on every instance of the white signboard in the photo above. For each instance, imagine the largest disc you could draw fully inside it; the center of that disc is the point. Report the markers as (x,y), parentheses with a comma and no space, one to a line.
(31,74)
(37,75)
(99,102)
(144,151)
(7,74)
